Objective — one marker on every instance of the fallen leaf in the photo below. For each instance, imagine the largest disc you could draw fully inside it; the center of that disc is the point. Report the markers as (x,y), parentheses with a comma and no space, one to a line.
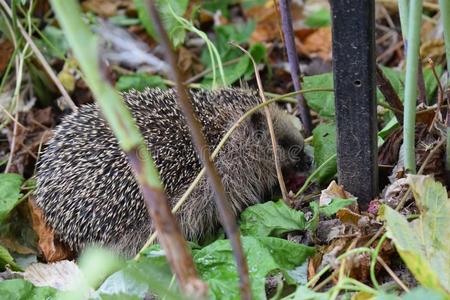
(52,249)
(106,8)
(333,191)
(60,275)
(6,50)
(317,44)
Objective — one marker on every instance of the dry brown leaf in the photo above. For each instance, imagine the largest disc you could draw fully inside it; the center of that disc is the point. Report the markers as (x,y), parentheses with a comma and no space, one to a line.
(6,50)
(316,44)
(433,49)
(347,216)
(60,275)
(267,23)
(51,248)
(333,190)
(106,8)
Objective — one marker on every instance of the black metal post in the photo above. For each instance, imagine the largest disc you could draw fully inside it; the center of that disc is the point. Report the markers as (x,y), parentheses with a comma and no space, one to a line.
(354,82)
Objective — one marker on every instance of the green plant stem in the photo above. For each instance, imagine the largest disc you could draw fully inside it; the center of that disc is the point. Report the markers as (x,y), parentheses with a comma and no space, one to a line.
(374,261)
(412,63)
(403,10)
(84,47)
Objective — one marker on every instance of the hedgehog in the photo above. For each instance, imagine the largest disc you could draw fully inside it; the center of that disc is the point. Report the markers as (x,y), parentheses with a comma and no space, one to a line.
(89,196)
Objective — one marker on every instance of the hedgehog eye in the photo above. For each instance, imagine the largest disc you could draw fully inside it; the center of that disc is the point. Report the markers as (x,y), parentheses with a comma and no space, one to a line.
(257,120)
(285,142)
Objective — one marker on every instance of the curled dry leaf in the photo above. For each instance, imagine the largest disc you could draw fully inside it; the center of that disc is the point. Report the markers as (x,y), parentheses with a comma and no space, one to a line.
(395,192)
(333,191)
(51,248)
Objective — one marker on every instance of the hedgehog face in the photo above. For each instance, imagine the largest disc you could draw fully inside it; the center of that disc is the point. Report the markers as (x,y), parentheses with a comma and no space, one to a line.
(294,160)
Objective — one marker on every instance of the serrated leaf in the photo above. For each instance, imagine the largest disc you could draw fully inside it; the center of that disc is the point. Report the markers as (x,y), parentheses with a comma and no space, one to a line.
(324,142)
(423,243)
(175,31)
(9,193)
(271,219)
(21,289)
(139,82)
(216,264)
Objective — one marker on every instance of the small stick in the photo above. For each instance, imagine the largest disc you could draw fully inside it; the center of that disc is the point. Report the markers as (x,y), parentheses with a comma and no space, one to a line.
(440,94)
(421,84)
(14,119)
(223,205)
(389,93)
(41,59)
(286,23)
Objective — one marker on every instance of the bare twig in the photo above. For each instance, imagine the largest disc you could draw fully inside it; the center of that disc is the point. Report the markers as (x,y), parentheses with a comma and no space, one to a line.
(421,84)
(223,205)
(440,94)
(286,23)
(41,59)
(389,93)
(392,274)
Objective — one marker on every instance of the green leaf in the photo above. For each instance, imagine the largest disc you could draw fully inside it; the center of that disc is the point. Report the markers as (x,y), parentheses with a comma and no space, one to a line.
(139,82)
(303,293)
(123,20)
(175,31)
(21,289)
(239,33)
(320,102)
(420,293)
(259,53)
(7,260)
(53,43)
(396,79)
(324,142)
(218,5)
(335,205)
(217,267)
(9,193)
(319,18)
(134,280)
(431,83)
(423,243)
(271,219)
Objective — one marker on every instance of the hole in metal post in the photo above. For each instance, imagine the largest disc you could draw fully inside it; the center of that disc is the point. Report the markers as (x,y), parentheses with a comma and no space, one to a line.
(357,83)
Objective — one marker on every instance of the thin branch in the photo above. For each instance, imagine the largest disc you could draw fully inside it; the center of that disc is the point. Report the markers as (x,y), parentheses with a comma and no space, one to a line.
(223,205)
(286,23)
(389,93)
